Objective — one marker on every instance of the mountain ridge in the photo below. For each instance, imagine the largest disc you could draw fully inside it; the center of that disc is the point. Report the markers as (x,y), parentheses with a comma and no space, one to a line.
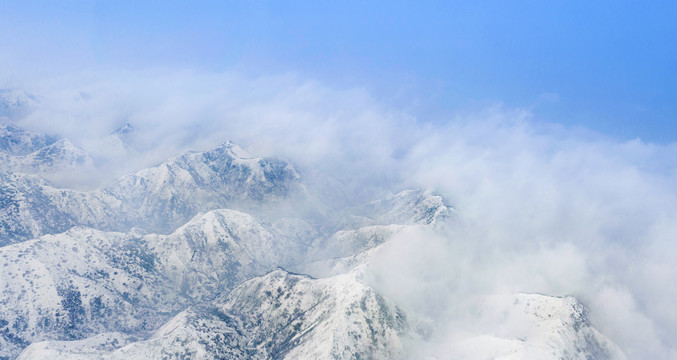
(188,258)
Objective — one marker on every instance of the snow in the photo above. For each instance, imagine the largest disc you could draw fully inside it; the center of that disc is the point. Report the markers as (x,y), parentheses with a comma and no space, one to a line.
(278,315)
(186,259)
(528,326)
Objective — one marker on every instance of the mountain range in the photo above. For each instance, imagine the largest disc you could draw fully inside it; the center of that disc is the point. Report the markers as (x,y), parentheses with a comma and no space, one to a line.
(219,254)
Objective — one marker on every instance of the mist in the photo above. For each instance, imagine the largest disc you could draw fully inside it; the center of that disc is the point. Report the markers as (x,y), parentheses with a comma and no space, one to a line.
(539,208)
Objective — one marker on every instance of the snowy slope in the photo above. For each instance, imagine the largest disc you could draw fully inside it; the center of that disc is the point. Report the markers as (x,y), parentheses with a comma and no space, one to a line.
(206,257)
(297,317)
(276,316)
(347,249)
(120,142)
(529,326)
(413,206)
(86,281)
(164,197)
(158,199)
(77,284)
(220,249)
(287,316)
(16,141)
(15,103)
(61,155)
(167,195)
(30,207)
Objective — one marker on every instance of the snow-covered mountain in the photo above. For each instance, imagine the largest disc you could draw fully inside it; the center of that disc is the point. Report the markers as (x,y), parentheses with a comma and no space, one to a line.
(276,316)
(158,199)
(167,195)
(16,141)
(16,102)
(415,206)
(115,279)
(61,155)
(75,284)
(79,283)
(218,250)
(54,159)
(529,326)
(185,259)
(31,207)
(121,142)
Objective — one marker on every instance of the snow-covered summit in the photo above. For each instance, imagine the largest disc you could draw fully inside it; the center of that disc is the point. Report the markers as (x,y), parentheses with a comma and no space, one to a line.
(408,207)
(16,102)
(529,326)
(48,156)
(17,141)
(169,194)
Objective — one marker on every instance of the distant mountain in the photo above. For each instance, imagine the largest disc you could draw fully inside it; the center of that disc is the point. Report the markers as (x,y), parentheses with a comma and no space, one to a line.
(55,160)
(121,141)
(531,326)
(163,197)
(31,207)
(124,130)
(167,195)
(158,199)
(16,103)
(16,142)
(59,156)
(413,206)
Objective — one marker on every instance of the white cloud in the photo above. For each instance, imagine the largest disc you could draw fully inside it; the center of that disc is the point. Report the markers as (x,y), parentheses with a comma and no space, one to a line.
(539,208)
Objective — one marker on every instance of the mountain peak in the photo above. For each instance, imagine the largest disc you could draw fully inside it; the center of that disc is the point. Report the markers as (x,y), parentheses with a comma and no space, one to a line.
(234,150)
(17,141)
(15,102)
(124,129)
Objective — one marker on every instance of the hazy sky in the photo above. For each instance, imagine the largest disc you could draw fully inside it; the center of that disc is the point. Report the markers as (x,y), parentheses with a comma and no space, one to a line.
(608,65)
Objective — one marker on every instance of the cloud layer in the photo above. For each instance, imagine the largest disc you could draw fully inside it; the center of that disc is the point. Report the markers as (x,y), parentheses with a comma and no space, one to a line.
(539,208)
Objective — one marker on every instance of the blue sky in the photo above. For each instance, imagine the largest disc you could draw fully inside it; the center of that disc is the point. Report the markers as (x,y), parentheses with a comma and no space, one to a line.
(608,65)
